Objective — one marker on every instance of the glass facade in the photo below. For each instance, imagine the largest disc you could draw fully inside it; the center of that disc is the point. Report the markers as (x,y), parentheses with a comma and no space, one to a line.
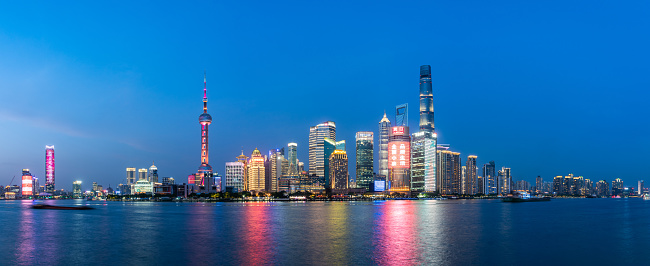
(384,128)
(364,156)
(317,135)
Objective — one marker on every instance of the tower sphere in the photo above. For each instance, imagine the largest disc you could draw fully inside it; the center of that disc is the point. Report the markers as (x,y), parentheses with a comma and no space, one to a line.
(205,118)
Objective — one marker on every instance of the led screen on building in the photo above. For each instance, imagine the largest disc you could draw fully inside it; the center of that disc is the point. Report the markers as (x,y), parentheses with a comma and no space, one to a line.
(380,185)
(27,185)
(399,154)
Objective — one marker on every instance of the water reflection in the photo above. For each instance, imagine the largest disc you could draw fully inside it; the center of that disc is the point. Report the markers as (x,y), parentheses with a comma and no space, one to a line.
(257,235)
(26,249)
(395,238)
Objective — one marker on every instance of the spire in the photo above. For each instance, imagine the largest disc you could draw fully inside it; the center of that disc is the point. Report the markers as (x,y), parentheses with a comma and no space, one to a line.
(205,93)
(384,119)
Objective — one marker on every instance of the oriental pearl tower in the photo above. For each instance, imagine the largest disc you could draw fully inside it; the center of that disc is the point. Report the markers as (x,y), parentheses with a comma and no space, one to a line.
(205,170)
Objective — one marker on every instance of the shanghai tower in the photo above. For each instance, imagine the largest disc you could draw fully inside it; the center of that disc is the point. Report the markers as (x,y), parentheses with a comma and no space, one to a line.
(426,100)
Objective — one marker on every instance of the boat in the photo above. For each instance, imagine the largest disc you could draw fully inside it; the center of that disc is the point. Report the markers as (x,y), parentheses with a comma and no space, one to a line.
(646,196)
(52,207)
(524,197)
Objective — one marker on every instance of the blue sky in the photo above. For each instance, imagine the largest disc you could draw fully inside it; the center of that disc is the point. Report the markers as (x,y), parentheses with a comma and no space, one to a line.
(546,88)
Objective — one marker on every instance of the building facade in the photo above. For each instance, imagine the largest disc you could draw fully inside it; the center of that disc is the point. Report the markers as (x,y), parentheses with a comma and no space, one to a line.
(235,172)
(426,100)
(338,167)
(317,157)
(364,158)
(449,171)
(399,160)
(489,175)
(505,179)
(469,184)
(49,169)
(384,129)
(256,172)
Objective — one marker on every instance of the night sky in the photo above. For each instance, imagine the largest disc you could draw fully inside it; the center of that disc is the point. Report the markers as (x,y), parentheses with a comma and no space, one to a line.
(547,88)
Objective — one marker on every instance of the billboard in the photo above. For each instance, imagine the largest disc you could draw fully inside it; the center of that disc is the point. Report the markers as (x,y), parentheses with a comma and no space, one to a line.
(399,154)
(380,185)
(49,165)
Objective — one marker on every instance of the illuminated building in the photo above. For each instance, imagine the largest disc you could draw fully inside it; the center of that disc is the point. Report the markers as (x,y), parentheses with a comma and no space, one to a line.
(130,176)
(480,184)
(426,100)
(273,169)
(95,186)
(76,189)
(168,181)
(329,146)
(505,180)
(27,185)
(235,172)
(423,157)
(602,189)
(469,184)
(617,187)
(640,187)
(558,184)
(143,187)
(384,129)
(449,171)
(364,158)
(489,174)
(153,173)
(142,174)
(256,173)
(430,165)
(399,159)
(317,158)
(203,177)
(539,185)
(49,169)
(292,156)
(338,167)
(402,115)
(244,160)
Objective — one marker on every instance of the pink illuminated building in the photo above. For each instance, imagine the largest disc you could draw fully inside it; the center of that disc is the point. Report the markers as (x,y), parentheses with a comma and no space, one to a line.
(203,177)
(27,185)
(49,169)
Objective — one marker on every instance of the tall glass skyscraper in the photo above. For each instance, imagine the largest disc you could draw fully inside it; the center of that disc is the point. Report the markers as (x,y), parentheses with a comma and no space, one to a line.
(402,115)
(469,184)
(426,99)
(364,145)
(338,169)
(317,135)
(384,128)
(449,171)
(489,174)
(418,164)
(329,146)
(292,156)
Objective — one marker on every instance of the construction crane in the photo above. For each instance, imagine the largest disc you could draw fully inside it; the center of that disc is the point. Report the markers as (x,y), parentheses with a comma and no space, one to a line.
(12,180)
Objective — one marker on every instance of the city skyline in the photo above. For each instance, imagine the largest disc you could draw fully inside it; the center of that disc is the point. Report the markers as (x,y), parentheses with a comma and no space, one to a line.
(63,84)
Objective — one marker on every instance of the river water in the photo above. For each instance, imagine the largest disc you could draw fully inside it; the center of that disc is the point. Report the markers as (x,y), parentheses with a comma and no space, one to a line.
(447,232)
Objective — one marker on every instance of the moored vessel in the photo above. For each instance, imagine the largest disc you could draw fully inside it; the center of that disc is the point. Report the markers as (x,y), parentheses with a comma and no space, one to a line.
(524,197)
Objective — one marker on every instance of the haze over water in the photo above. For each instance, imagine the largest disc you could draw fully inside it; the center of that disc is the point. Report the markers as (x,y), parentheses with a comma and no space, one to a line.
(452,232)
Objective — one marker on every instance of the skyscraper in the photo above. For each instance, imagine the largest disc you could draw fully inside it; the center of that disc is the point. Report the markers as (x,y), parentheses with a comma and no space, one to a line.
(235,172)
(317,135)
(489,174)
(338,167)
(640,187)
(449,171)
(426,99)
(27,184)
(203,177)
(469,184)
(130,176)
(329,146)
(617,187)
(602,188)
(430,164)
(49,169)
(384,129)
(153,173)
(244,160)
(399,159)
(256,173)
(292,156)
(76,189)
(539,185)
(418,159)
(402,115)
(505,179)
(142,174)
(364,156)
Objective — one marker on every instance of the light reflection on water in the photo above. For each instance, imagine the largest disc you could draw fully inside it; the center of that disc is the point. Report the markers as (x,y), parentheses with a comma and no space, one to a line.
(453,232)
